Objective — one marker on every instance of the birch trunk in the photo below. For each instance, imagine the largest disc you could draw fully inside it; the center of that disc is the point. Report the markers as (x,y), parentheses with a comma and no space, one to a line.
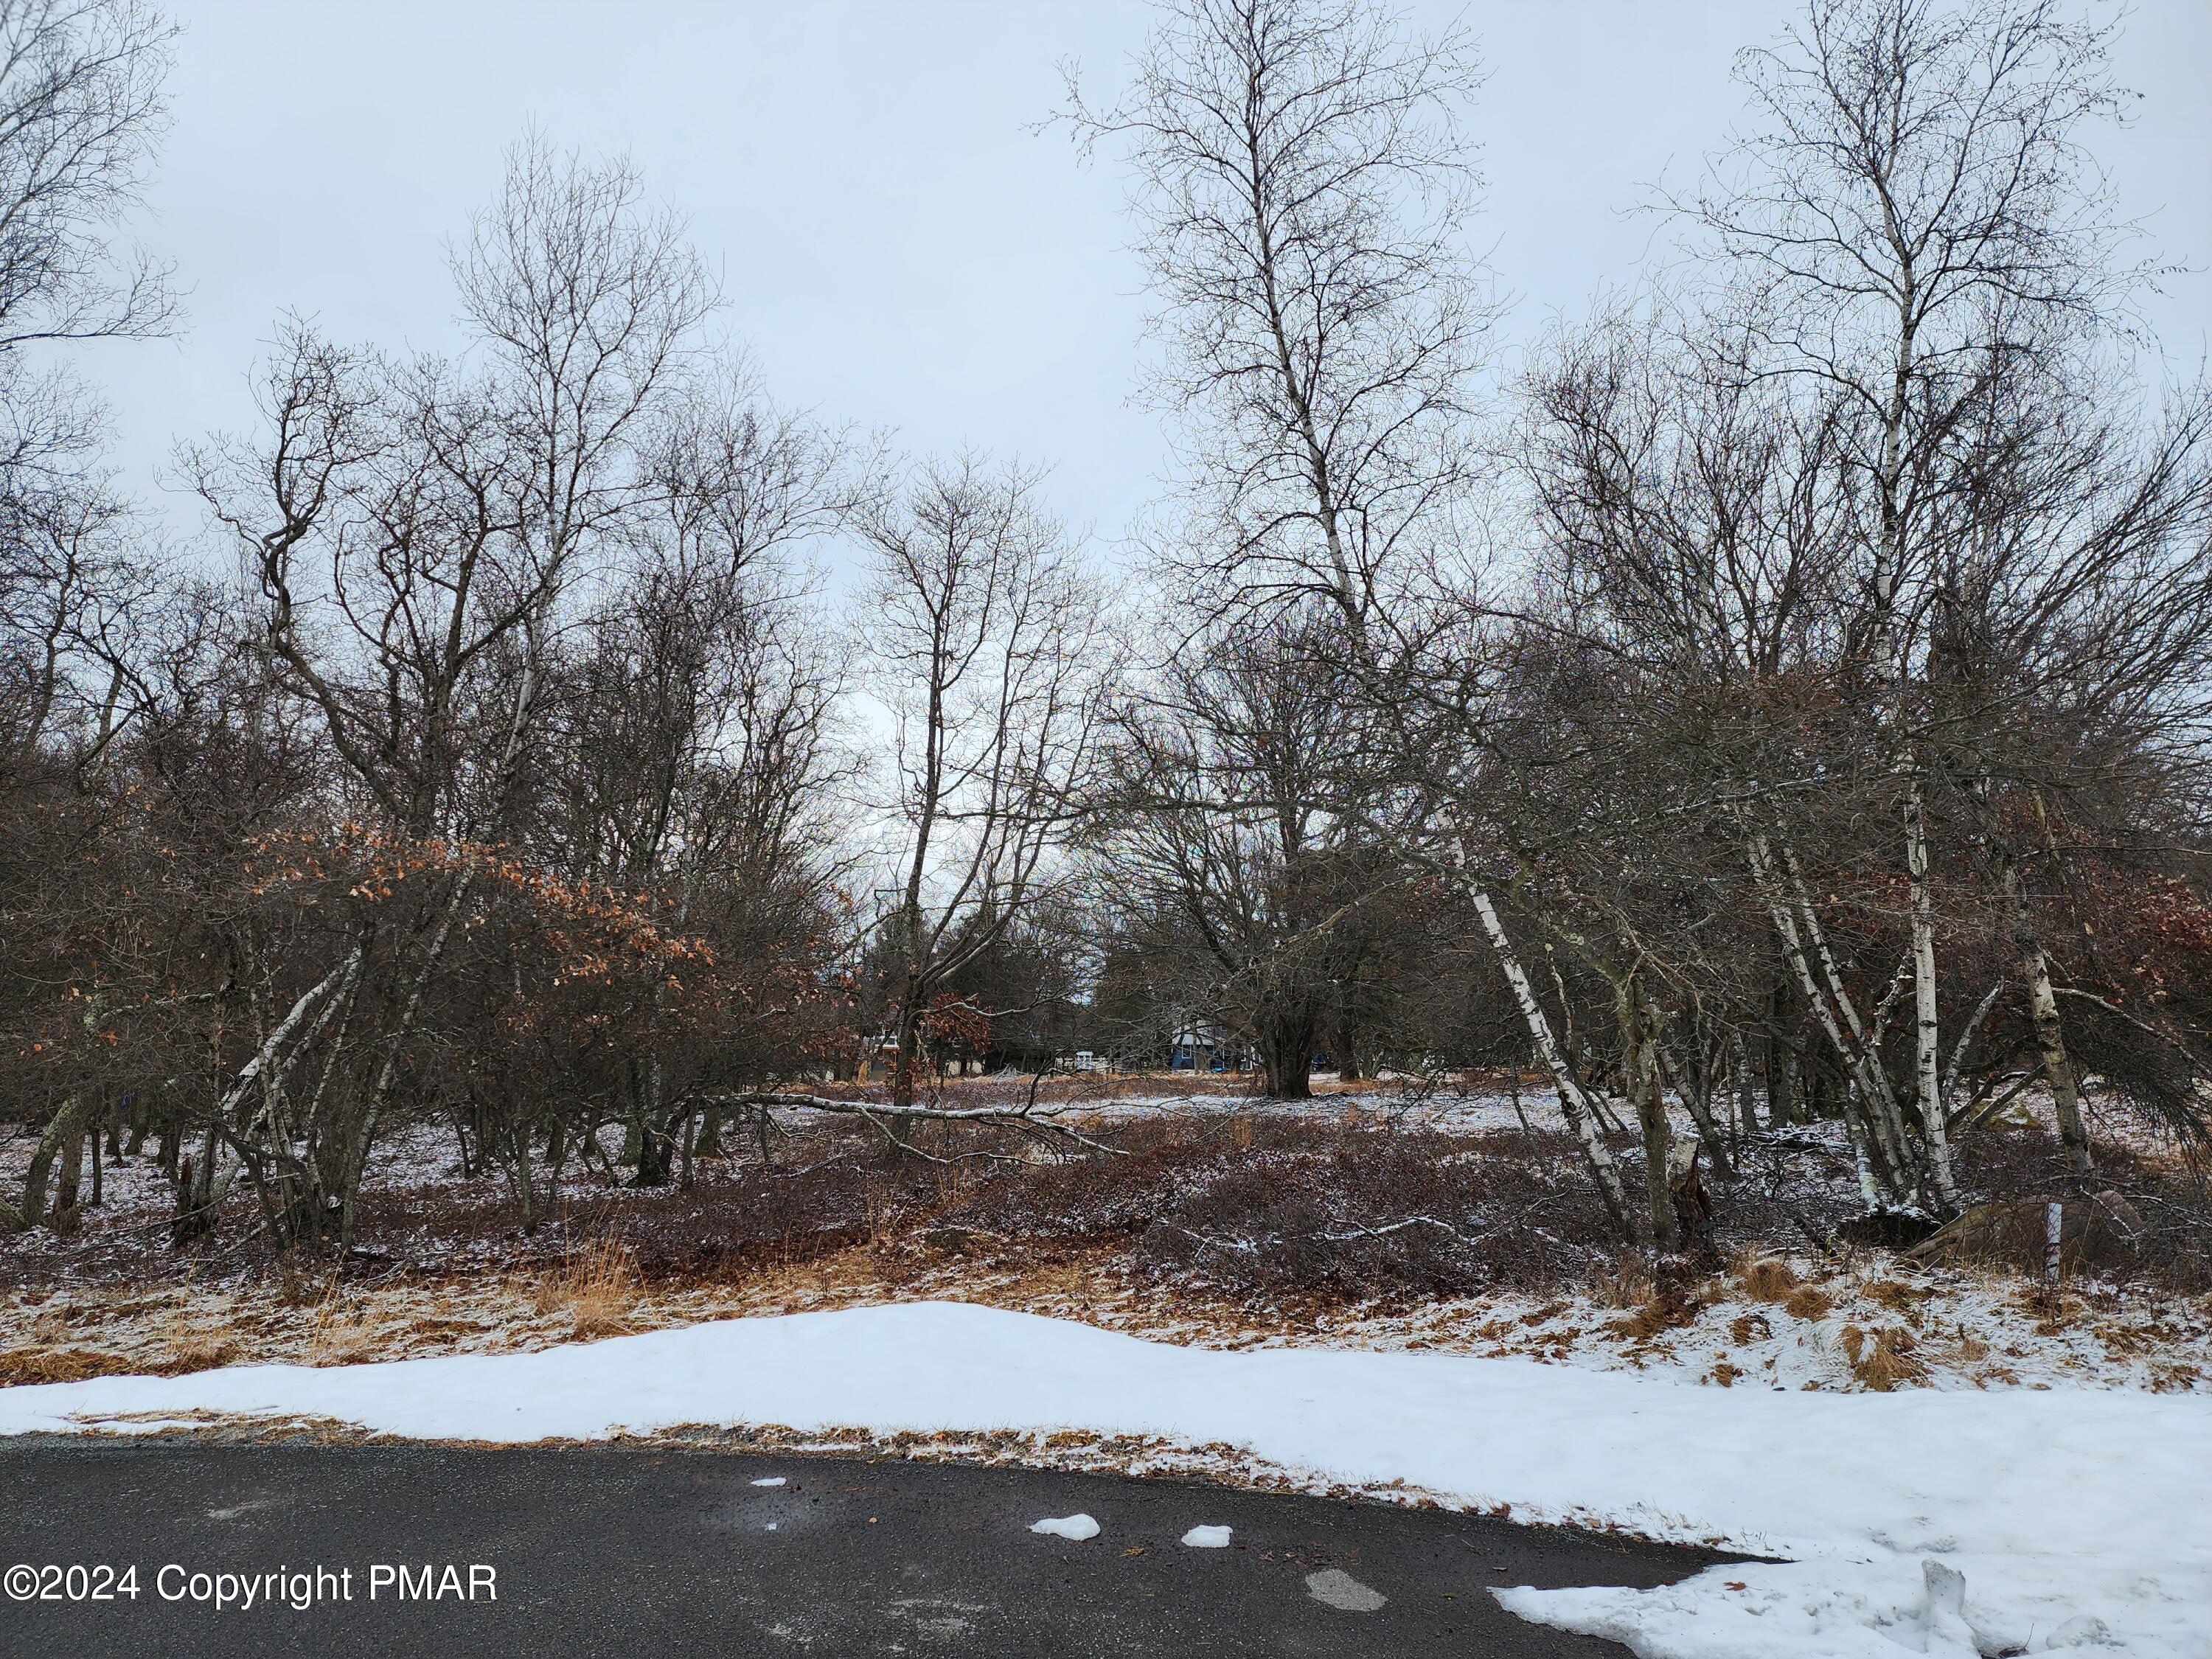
(2050,1033)
(1572,1102)
(1886,1119)
(1832,1007)
(1926,1052)
(1696,1084)
(1746,1115)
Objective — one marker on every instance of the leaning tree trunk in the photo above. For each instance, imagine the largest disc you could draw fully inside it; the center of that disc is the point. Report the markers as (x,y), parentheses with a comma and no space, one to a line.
(60,1127)
(1573,1102)
(1798,930)
(1696,1082)
(2050,1032)
(355,1168)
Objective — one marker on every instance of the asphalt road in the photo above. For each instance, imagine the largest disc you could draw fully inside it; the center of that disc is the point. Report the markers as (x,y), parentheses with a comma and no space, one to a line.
(648,1553)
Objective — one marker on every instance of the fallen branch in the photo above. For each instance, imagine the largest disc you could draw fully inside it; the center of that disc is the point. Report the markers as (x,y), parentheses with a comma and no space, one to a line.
(1393,1227)
(1042,1119)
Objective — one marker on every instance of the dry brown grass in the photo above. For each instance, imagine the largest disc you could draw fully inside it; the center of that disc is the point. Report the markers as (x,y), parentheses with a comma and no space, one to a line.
(1768,1280)
(342,1334)
(23,1365)
(1898,1298)
(1624,1284)
(1670,1309)
(1807,1302)
(1882,1358)
(200,1351)
(191,1345)
(597,1287)
(1750,1327)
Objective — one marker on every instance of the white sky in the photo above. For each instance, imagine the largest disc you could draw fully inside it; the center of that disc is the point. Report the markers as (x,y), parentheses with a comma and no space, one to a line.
(898,248)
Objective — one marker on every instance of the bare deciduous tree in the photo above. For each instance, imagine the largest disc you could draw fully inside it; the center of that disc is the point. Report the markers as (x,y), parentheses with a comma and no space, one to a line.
(992,660)
(1303,188)
(1915,211)
(79,112)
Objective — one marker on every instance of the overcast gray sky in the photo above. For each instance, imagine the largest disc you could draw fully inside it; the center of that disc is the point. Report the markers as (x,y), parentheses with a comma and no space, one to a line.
(899,249)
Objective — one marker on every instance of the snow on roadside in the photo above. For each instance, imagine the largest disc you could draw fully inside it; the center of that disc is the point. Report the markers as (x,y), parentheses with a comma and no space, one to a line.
(1964,1329)
(1955,1329)
(2071,1513)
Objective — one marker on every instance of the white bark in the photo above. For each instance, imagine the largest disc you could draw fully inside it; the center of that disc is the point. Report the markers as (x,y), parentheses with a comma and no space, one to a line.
(1572,1100)
(1926,1052)
(2050,1032)
(1831,1003)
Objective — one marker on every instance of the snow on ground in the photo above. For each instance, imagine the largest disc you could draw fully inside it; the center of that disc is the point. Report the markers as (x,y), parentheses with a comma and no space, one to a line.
(2075,1516)
(1448,1111)
(1076,1529)
(1934,1330)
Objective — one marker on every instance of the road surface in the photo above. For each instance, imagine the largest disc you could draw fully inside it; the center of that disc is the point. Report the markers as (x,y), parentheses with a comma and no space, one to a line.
(643,1554)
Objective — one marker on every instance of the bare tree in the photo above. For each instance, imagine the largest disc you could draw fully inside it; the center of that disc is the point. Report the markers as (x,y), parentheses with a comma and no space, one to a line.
(1304,189)
(73,573)
(1301,188)
(1226,858)
(987,651)
(420,531)
(1913,212)
(80,111)
(696,747)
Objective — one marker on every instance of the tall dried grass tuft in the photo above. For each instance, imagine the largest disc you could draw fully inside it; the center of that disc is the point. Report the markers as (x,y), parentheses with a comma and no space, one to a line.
(1667,1310)
(1768,1280)
(1626,1283)
(1882,1359)
(342,1334)
(192,1346)
(597,1285)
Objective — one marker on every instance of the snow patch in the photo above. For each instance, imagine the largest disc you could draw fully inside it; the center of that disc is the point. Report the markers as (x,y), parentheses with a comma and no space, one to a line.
(1207,1538)
(770,1480)
(1844,1610)
(1074,1527)
(2073,1516)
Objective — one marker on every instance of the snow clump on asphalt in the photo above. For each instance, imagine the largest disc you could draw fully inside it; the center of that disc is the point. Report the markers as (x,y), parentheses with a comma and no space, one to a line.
(1073,1528)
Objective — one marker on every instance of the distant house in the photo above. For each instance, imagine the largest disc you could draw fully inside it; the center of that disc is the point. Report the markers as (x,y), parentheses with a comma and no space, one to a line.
(1197,1046)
